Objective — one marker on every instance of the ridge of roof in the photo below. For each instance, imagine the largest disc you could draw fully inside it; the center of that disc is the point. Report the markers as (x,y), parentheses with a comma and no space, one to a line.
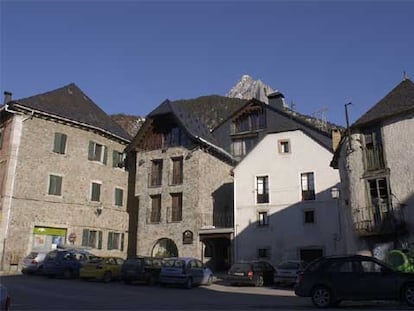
(70,103)
(399,100)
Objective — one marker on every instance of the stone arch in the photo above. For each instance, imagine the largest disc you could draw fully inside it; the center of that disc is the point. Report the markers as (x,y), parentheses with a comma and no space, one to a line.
(164,247)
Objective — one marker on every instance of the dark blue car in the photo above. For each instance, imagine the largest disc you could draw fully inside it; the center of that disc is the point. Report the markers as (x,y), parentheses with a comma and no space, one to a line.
(65,263)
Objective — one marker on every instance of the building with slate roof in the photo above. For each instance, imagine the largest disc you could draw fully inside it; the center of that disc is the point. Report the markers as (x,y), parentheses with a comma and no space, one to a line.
(181,172)
(62,177)
(377,174)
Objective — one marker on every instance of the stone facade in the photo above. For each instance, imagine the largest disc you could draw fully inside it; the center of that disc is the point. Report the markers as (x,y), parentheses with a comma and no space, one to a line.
(398,150)
(203,175)
(27,160)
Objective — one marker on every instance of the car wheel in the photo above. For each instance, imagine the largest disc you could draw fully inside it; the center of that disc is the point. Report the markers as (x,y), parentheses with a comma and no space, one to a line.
(107,277)
(259,281)
(408,294)
(67,274)
(189,283)
(321,297)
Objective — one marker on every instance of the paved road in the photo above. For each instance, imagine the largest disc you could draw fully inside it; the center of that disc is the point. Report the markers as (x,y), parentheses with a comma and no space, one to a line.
(40,293)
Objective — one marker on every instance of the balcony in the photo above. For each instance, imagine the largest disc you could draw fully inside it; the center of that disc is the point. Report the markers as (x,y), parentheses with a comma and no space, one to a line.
(217,220)
(379,220)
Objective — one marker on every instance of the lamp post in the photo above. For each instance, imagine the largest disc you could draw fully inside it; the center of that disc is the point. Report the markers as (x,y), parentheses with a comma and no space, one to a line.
(335,194)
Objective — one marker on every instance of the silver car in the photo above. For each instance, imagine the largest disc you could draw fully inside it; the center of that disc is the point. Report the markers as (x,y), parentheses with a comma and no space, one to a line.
(287,272)
(33,263)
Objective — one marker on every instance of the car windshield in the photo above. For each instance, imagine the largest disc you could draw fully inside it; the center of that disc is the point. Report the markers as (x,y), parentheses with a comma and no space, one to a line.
(240,267)
(174,263)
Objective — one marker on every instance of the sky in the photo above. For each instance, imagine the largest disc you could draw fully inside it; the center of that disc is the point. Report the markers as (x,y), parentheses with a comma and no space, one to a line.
(129,56)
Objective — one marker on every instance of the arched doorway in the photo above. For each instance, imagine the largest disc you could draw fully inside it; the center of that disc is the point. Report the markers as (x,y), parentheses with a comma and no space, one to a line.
(217,253)
(164,248)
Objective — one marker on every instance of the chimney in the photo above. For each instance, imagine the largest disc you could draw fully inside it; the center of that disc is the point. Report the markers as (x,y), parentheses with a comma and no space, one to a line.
(277,100)
(336,138)
(7,97)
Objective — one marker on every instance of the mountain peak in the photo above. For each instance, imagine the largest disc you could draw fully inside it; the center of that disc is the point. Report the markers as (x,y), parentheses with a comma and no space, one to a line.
(248,88)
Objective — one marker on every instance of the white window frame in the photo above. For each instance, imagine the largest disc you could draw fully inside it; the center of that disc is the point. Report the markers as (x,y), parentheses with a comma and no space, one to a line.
(256,190)
(281,146)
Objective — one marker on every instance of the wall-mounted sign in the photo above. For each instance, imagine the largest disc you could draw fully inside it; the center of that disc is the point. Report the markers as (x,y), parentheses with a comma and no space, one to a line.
(187,237)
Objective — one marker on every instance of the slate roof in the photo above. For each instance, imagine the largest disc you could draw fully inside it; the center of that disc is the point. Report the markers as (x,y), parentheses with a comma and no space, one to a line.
(71,103)
(210,110)
(400,100)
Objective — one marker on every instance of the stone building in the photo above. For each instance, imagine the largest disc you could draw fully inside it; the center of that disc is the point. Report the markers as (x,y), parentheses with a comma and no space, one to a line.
(180,198)
(62,181)
(375,162)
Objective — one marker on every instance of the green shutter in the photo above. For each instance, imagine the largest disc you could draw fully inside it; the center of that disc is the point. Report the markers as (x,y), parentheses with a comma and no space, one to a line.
(91,149)
(85,237)
(122,242)
(56,145)
(96,192)
(114,158)
(119,193)
(109,240)
(99,239)
(105,157)
(55,185)
(63,143)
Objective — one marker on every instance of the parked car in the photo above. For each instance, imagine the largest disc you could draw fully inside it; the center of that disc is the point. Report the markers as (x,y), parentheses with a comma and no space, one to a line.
(33,263)
(257,273)
(102,268)
(5,299)
(329,280)
(141,269)
(286,272)
(66,263)
(186,271)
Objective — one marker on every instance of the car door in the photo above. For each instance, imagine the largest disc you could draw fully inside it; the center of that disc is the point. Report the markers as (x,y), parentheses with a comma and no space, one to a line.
(341,277)
(377,280)
(197,271)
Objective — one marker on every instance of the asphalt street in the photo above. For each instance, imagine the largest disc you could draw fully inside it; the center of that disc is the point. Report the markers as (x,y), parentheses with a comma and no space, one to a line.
(41,293)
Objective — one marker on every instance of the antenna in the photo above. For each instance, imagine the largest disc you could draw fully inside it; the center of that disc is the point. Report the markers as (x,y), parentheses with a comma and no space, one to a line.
(405,76)
(320,116)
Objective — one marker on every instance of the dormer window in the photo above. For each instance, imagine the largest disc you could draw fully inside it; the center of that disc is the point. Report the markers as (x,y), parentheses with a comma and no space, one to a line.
(250,120)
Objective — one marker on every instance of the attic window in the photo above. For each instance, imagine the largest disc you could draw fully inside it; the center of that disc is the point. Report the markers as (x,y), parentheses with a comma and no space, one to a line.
(284,146)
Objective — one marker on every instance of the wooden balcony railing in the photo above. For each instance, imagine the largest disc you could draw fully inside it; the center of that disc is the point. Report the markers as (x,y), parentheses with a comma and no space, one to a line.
(217,220)
(374,159)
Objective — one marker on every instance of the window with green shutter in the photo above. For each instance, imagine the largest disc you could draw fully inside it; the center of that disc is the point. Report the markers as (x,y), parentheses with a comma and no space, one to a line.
(96,192)
(55,185)
(119,196)
(117,159)
(59,145)
(97,152)
(92,238)
(115,241)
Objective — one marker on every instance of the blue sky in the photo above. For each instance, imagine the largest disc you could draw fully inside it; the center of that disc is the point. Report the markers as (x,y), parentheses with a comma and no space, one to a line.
(129,56)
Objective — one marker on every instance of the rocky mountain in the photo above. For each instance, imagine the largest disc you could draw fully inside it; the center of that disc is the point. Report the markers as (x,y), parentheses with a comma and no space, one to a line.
(131,124)
(248,88)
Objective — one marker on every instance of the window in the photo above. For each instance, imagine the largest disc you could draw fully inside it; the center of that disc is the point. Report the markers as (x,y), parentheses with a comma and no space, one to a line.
(284,146)
(309,216)
(59,145)
(1,136)
(262,219)
(176,206)
(262,190)
(241,147)
(119,197)
(115,241)
(55,185)
(92,238)
(117,159)
(177,171)
(155,208)
(250,121)
(156,173)
(308,186)
(173,137)
(97,152)
(263,253)
(373,151)
(379,198)
(96,192)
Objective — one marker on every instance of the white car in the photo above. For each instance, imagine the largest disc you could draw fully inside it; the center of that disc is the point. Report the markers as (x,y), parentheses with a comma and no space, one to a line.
(287,272)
